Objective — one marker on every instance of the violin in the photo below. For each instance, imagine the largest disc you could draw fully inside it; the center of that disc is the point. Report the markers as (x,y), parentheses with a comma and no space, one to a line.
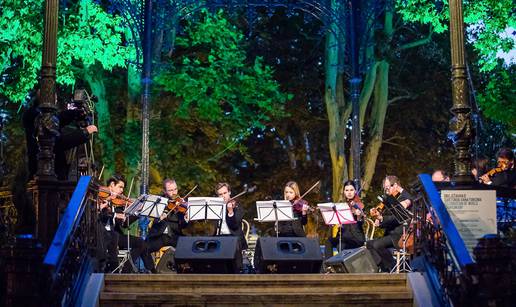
(298,203)
(117,200)
(177,204)
(490,174)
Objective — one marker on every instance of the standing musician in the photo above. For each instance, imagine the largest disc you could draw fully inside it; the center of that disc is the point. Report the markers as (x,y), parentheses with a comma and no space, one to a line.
(114,219)
(504,175)
(166,231)
(352,234)
(300,208)
(231,224)
(393,229)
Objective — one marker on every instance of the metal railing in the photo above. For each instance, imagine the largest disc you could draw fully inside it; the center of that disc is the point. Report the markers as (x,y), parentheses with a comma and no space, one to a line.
(70,259)
(449,265)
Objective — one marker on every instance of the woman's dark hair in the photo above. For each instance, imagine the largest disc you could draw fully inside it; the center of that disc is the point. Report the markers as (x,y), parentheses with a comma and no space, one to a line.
(116,178)
(349,182)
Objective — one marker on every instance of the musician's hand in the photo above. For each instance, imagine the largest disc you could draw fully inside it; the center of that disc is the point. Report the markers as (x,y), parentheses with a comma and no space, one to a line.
(230,207)
(163,216)
(103,204)
(485,179)
(377,223)
(305,208)
(120,216)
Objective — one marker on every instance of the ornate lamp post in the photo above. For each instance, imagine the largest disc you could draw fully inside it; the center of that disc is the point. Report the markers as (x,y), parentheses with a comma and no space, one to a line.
(461,129)
(47,124)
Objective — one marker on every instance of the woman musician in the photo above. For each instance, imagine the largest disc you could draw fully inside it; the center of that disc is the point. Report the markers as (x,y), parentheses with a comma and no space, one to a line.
(300,208)
(352,235)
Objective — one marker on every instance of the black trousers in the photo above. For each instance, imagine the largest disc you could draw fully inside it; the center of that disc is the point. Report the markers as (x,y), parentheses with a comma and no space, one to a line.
(139,249)
(155,243)
(107,249)
(379,249)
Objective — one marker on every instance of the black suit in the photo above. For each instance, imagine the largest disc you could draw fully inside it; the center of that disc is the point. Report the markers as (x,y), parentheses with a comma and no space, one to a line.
(393,231)
(234,224)
(166,232)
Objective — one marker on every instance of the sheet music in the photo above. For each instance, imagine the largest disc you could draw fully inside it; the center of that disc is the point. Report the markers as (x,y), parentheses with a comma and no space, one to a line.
(341,215)
(265,210)
(206,208)
(151,205)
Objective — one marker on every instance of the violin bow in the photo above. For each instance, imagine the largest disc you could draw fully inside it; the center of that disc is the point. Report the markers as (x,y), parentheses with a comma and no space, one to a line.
(190,192)
(238,195)
(310,190)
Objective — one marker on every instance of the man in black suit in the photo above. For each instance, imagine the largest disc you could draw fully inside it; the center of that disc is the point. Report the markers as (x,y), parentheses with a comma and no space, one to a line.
(231,224)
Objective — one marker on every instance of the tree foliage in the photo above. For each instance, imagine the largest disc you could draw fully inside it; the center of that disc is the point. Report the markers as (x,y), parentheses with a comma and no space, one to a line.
(87,36)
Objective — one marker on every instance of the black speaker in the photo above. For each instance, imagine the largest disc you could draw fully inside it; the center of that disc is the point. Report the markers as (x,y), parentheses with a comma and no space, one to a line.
(166,263)
(216,255)
(357,260)
(287,255)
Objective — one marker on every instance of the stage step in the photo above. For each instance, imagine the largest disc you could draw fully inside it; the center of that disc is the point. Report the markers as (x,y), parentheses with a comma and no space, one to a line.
(256,290)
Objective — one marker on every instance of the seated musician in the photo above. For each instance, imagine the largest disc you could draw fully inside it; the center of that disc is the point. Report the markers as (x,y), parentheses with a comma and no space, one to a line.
(504,175)
(393,228)
(231,224)
(300,208)
(166,230)
(440,175)
(352,234)
(115,220)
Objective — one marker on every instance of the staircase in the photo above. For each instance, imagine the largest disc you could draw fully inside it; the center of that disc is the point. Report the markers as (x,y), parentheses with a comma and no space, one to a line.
(257,290)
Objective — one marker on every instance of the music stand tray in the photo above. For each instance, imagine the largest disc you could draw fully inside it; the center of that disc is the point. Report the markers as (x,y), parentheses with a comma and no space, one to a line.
(336,213)
(206,208)
(148,205)
(274,211)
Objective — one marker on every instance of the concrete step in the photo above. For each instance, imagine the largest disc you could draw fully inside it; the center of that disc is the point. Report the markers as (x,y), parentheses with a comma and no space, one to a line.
(256,290)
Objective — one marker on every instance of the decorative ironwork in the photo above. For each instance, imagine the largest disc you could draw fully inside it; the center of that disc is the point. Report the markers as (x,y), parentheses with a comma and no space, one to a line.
(8,217)
(70,258)
(47,124)
(461,129)
(438,240)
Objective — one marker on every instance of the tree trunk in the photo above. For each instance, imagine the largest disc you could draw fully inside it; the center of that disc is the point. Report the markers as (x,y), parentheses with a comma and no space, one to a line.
(95,80)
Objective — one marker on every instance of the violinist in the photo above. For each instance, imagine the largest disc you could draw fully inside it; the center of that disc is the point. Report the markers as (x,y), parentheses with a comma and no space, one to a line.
(231,224)
(166,230)
(113,219)
(393,228)
(352,234)
(300,208)
(504,175)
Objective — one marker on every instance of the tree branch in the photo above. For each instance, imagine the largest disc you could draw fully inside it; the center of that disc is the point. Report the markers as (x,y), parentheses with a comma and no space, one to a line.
(398,98)
(420,42)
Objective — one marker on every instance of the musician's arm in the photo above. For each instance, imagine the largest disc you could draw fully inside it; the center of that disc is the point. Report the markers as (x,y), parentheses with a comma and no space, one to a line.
(234,221)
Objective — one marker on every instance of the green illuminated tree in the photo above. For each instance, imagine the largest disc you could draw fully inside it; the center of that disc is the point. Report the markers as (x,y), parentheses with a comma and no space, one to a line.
(213,98)
(89,44)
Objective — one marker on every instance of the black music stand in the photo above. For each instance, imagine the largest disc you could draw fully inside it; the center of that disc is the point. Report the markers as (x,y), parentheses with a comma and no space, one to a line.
(337,214)
(274,211)
(206,208)
(145,205)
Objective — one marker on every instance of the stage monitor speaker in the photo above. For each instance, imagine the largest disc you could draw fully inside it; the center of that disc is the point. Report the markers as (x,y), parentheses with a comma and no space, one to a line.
(166,262)
(357,260)
(288,255)
(216,255)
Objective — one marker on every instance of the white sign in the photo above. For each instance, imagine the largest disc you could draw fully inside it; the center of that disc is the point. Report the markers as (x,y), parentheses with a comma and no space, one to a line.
(473,212)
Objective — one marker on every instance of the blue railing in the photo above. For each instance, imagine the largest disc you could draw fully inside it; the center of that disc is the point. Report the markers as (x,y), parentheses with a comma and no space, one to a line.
(448,262)
(456,244)
(70,258)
